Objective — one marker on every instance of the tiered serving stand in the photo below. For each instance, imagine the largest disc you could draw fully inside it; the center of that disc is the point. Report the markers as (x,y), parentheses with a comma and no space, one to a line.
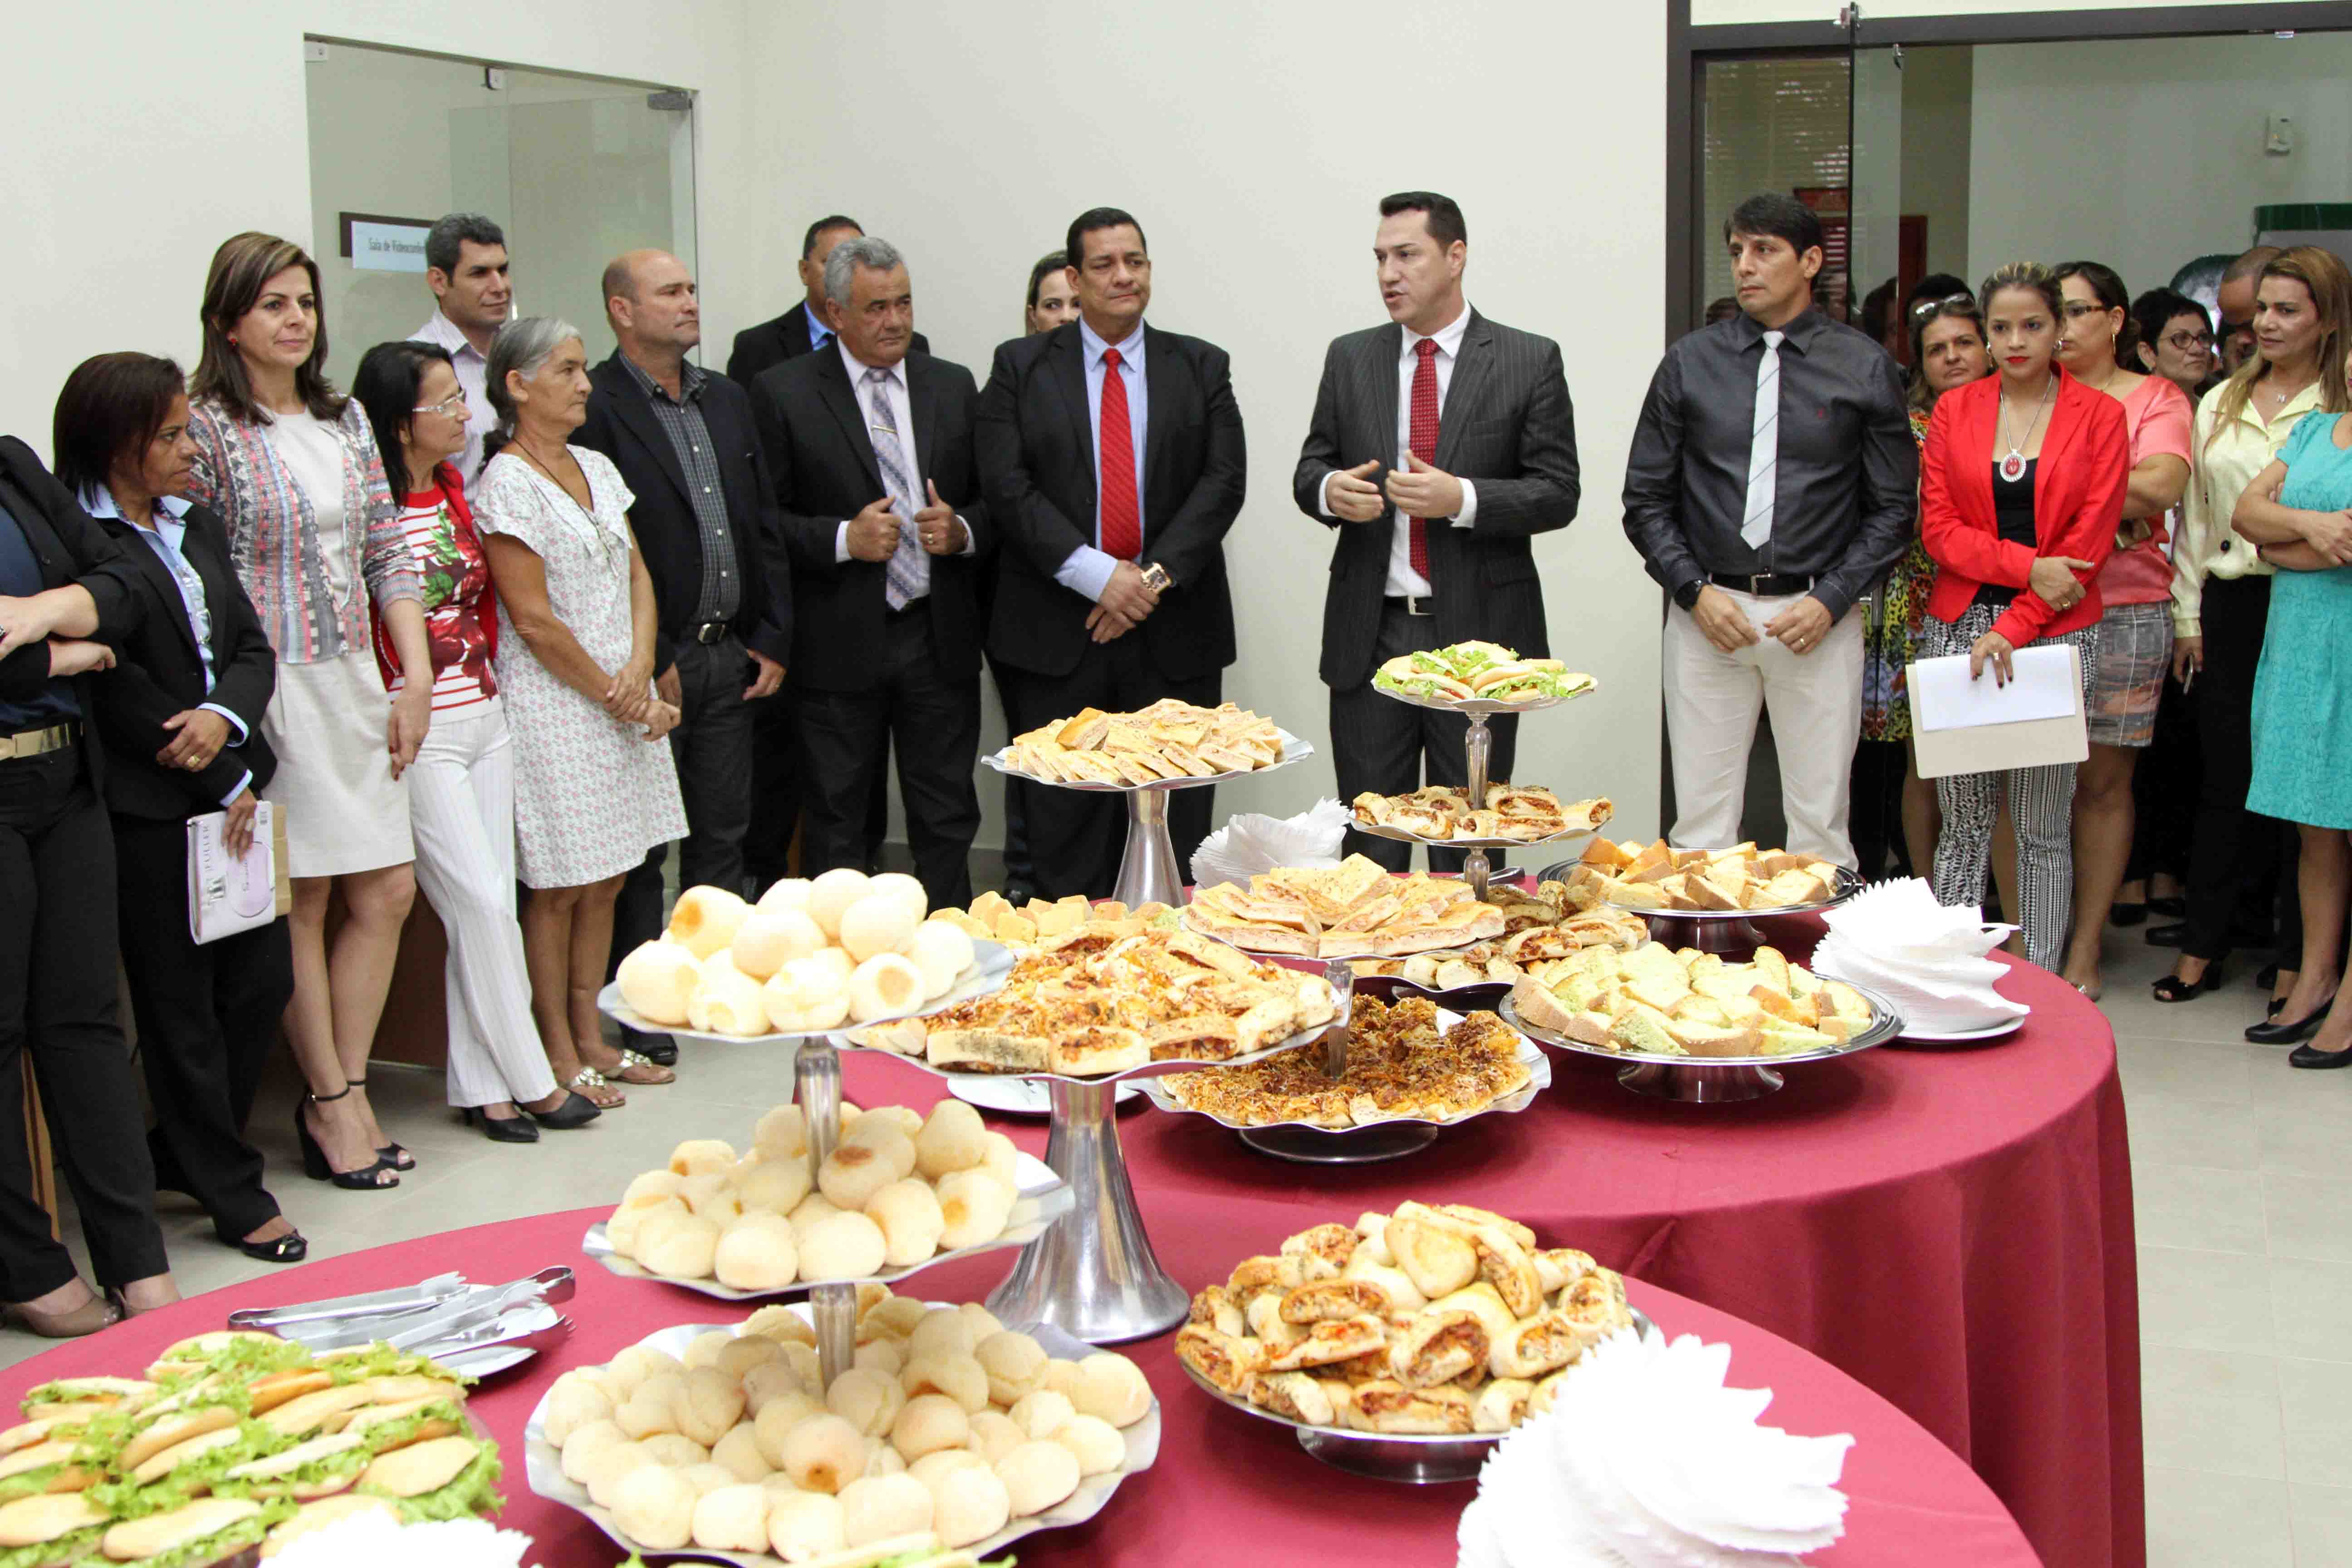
(1719,931)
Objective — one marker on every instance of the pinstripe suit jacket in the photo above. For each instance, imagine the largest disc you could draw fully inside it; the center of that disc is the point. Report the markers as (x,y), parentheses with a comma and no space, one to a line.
(1507,428)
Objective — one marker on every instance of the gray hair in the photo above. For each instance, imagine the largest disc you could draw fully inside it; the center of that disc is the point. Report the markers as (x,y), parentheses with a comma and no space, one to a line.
(443,242)
(866,250)
(522,347)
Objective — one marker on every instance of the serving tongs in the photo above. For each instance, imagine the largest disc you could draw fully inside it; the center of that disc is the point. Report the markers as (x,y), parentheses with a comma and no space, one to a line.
(411,1328)
(515,1336)
(297,1321)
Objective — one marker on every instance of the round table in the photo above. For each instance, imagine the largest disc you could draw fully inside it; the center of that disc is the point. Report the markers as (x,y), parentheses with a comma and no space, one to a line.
(1222,1477)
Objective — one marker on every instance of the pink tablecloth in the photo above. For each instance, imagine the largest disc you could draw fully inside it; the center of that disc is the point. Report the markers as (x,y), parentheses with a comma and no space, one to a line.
(1222,1480)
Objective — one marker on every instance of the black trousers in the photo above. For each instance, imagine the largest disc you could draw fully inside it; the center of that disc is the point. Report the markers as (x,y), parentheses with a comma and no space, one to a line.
(1877,813)
(2165,788)
(2233,852)
(208,1020)
(1018,871)
(58,1000)
(713,747)
(776,799)
(933,719)
(1386,747)
(1075,838)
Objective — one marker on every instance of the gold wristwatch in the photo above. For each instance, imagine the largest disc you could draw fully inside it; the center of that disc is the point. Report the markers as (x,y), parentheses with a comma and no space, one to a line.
(1156,578)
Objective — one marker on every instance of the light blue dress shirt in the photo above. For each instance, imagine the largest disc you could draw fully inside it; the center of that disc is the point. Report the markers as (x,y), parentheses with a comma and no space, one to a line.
(1087,569)
(168,539)
(819,333)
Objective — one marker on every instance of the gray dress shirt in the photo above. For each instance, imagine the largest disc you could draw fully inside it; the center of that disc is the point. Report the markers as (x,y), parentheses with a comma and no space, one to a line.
(681,419)
(1846,503)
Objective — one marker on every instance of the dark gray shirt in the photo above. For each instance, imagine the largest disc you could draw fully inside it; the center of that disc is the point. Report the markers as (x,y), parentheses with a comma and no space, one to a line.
(1846,498)
(20,578)
(689,437)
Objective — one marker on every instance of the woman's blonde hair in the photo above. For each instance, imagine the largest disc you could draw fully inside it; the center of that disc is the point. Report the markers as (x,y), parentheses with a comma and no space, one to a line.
(2330,285)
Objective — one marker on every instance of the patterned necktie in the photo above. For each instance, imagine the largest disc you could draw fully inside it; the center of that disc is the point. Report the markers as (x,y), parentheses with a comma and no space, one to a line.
(1763,447)
(908,575)
(1422,444)
(1122,528)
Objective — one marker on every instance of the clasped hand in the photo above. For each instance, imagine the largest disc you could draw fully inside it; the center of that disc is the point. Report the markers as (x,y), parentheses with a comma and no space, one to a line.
(198,736)
(1423,491)
(1126,600)
(2052,577)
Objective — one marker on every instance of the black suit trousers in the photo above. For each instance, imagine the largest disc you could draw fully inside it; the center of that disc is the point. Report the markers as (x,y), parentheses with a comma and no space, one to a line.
(208,1020)
(2234,850)
(1382,746)
(58,1000)
(713,746)
(1075,838)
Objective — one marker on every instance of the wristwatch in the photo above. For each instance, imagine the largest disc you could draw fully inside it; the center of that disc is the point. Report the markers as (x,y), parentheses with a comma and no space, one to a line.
(1686,596)
(1156,578)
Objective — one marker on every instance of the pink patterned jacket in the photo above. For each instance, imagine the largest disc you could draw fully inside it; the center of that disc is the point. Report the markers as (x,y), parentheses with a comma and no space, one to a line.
(274,531)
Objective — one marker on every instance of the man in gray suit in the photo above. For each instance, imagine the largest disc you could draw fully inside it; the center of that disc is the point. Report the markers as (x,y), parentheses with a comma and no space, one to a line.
(1442,443)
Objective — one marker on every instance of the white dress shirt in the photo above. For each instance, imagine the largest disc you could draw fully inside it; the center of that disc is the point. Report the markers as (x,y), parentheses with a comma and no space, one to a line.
(473,375)
(902,415)
(1087,569)
(1403,580)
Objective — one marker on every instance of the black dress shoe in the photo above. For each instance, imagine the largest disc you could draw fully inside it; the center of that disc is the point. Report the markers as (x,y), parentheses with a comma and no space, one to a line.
(2126,914)
(2313,1057)
(2277,1033)
(577,1111)
(660,1050)
(2174,907)
(502,1128)
(2167,935)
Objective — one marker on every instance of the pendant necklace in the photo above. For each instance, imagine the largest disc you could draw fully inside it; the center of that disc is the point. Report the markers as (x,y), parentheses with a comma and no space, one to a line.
(2012,467)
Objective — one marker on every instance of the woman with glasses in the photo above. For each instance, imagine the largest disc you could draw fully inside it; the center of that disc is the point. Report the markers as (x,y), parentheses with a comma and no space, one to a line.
(461,790)
(2174,340)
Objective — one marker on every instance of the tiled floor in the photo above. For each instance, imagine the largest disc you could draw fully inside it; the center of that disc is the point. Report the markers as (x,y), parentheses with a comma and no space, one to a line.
(2245,1228)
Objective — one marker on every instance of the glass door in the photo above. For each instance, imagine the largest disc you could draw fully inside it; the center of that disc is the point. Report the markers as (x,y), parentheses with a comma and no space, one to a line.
(1773,123)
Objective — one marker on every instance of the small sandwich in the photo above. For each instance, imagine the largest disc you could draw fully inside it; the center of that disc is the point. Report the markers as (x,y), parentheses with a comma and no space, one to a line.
(87,1395)
(193,1535)
(55,1464)
(439,1479)
(50,1529)
(170,1478)
(923,1549)
(237,1353)
(320,1468)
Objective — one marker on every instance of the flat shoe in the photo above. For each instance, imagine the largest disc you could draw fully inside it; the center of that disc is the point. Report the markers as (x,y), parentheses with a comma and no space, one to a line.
(636,1069)
(2313,1057)
(292,1247)
(594,1087)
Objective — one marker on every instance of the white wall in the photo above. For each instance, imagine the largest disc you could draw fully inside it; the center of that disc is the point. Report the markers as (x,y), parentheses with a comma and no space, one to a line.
(1253,142)
(2167,165)
(1712,12)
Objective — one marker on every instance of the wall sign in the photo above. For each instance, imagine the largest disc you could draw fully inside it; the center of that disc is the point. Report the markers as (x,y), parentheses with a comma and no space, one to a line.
(374,243)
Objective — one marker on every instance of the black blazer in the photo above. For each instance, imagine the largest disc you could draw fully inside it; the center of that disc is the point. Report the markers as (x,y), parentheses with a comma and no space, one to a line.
(815,430)
(71,547)
(772,342)
(1508,428)
(157,674)
(622,425)
(1037,465)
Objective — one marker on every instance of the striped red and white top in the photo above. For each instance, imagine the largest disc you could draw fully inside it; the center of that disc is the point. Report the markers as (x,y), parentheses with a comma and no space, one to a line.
(461,611)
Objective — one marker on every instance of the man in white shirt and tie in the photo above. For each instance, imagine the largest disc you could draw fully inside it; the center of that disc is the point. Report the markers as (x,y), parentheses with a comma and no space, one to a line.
(1441,444)
(466,266)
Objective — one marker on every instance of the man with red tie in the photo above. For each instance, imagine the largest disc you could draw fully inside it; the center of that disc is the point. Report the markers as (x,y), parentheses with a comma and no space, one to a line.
(1112,461)
(1442,444)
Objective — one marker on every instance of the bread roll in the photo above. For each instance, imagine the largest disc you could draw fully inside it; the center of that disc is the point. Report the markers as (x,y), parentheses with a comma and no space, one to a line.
(927,1423)
(941,1333)
(777,1419)
(957,1377)
(830,895)
(757,1253)
(939,952)
(889,1131)
(657,980)
(883,985)
(1015,1365)
(938,1462)
(744,1352)
(1062,1377)
(893,1319)
(973,1208)
(808,1211)
(879,1508)
(584,1442)
(711,1475)
(731,1518)
(994,1435)
(655,1507)
(739,1450)
(1096,1442)
(868,1401)
(711,1405)
(643,1416)
(770,1381)
(711,1195)
(782,1133)
(696,1157)
(648,1189)
(770,939)
(678,1245)
(823,1454)
(952,1139)
(876,923)
(704,1348)
(606,1469)
(1036,1476)
(776,1185)
(786,893)
(969,1504)
(802,1360)
(804,1526)
(807,996)
(1042,1413)
(900,886)
(704,919)
(854,1172)
(572,1404)
(1113,1388)
(881,1459)
(841,1246)
(881,1355)
(675,1449)
(982,1322)
(911,1220)
(905,1118)
(727,1002)
(835,966)
(780,1324)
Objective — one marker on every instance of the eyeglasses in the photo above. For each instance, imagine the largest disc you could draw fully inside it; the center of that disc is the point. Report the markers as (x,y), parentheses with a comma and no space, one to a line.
(2185,342)
(451,405)
(2078,309)
(1955,304)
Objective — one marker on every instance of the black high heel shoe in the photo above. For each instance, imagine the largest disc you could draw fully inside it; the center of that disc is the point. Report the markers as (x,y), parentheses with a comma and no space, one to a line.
(577,1111)
(2278,1033)
(2172,988)
(392,1155)
(2313,1057)
(2126,914)
(314,1158)
(292,1247)
(502,1128)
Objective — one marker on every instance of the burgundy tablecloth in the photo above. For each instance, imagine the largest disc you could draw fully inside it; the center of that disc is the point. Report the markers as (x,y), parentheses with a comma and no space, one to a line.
(1226,1488)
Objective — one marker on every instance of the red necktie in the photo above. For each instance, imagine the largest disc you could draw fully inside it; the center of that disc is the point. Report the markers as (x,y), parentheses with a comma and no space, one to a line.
(1122,529)
(1423,441)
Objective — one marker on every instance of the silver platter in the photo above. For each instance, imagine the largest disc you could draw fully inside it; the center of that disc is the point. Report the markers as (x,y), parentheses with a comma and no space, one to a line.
(1385,1457)
(1015,1096)
(1480,707)
(1293,750)
(1044,1199)
(1271,953)
(1707,1079)
(1383,830)
(1849,883)
(1149,1070)
(991,962)
(543,1462)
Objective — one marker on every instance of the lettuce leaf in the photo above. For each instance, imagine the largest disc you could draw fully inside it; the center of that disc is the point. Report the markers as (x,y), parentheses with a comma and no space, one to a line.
(30,1483)
(223,1544)
(73,1548)
(381,1360)
(244,1359)
(343,1466)
(474,1492)
(126,1499)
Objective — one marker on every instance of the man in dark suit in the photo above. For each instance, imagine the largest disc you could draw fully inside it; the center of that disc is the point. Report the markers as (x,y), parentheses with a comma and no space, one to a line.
(1113,461)
(687,444)
(804,326)
(870,444)
(1442,444)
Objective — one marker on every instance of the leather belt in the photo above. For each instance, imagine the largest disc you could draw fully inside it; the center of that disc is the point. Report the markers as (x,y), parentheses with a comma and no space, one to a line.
(710,632)
(1415,605)
(37,742)
(1765,584)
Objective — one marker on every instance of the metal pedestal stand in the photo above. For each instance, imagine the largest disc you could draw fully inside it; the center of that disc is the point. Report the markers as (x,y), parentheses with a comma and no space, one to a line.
(816,1088)
(1477,746)
(1315,1146)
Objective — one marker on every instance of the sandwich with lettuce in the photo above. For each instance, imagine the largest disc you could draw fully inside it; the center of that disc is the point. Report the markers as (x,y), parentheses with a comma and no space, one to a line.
(1481,670)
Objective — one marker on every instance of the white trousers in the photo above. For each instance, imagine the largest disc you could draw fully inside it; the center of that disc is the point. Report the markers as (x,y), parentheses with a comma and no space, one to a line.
(461,807)
(1712,702)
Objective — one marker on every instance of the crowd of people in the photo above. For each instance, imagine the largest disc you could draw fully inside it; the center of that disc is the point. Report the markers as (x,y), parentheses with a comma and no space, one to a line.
(503,625)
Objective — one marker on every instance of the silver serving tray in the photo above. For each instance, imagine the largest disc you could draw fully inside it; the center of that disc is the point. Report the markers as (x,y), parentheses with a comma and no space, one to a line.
(1849,883)
(1044,1199)
(1273,954)
(1383,830)
(1015,1096)
(1293,750)
(1414,1459)
(1885,1024)
(1483,706)
(991,962)
(543,1462)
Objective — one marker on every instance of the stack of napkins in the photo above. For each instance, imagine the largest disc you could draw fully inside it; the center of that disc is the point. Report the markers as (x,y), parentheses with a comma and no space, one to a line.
(1646,1461)
(1254,842)
(377,1539)
(1927,959)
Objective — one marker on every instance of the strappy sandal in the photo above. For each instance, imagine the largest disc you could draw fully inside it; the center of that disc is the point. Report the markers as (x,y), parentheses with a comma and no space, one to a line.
(597,1089)
(314,1158)
(391,1155)
(637,1062)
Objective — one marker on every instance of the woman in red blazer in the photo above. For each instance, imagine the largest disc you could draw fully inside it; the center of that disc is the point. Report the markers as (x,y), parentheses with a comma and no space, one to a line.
(2022,487)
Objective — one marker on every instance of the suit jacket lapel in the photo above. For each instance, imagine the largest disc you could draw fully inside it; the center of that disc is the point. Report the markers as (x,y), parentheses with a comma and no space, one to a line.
(1471,370)
(1161,372)
(922,397)
(833,384)
(2066,420)
(159,575)
(632,409)
(1067,359)
(1388,347)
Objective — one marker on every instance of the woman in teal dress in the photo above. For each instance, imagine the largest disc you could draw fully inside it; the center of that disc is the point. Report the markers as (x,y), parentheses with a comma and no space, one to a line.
(2295,511)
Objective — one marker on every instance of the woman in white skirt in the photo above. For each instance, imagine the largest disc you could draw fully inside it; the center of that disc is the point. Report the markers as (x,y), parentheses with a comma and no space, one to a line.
(576,661)
(291,466)
(461,791)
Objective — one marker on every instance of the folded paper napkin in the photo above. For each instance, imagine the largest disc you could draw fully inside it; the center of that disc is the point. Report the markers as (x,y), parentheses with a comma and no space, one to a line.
(374,1540)
(1684,1477)
(1928,960)
(1253,842)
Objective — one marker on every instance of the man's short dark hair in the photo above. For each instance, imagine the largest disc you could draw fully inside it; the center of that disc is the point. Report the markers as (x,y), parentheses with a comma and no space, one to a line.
(808,241)
(1934,286)
(110,410)
(2250,263)
(1443,216)
(444,241)
(1093,218)
(1779,216)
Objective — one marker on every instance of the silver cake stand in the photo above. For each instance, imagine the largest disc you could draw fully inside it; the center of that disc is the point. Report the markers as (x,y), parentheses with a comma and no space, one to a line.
(1711,1080)
(1477,746)
(1719,931)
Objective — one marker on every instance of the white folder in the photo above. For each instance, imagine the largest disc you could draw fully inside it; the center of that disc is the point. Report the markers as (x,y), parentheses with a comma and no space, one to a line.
(1963,726)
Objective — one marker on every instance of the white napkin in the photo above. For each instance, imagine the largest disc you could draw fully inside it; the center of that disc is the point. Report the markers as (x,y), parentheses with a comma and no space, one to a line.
(1927,959)
(1253,842)
(1646,1461)
(380,1540)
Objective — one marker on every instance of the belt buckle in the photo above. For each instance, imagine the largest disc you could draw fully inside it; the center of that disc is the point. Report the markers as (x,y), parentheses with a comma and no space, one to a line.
(709,632)
(1417,605)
